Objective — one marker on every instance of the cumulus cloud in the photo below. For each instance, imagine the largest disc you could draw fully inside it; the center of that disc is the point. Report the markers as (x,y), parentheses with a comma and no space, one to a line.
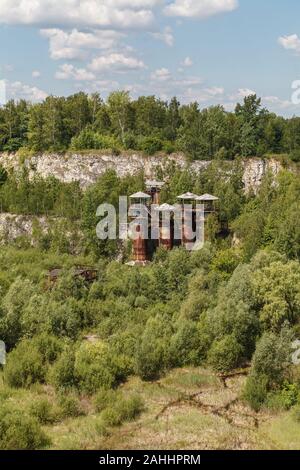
(68,71)
(199,8)
(117,62)
(36,74)
(166,36)
(291,43)
(107,13)
(75,44)
(187,62)
(162,74)
(18,90)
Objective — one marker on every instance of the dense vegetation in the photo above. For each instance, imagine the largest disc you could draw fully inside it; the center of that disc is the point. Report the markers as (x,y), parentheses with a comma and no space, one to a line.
(81,122)
(223,306)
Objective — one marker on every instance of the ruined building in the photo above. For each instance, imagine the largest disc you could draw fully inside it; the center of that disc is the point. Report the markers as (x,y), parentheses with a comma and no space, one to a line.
(165,225)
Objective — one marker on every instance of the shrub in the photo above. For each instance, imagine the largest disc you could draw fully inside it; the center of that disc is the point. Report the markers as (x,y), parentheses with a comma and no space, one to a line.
(151,145)
(70,406)
(224,354)
(256,391)
(62,374)
(272,357)
(20,432)
(296,413)
(88,140)
(153,352)
(122,411)
(43,411)
(285,399)
(96,367)
(186,346)
(25,366)
(104,398)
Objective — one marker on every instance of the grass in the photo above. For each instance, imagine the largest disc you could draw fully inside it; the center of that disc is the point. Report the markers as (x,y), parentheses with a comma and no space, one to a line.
(187,409)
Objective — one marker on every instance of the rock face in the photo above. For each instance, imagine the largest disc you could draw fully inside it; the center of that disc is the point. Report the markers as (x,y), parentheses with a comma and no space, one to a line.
(14,226)
(87,168)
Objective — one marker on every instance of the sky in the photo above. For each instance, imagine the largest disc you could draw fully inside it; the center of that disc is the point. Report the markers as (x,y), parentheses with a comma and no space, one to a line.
(210,51)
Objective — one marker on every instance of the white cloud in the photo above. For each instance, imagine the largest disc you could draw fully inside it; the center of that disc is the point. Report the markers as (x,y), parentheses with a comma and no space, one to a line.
(162,74)
(74,44)
(241,93)
(18,90)
(117,62)
(214,91)
(187,62)
(291,42)
(36,74)
(166,36)
(275,101)
(68,71)
(96,13)
(199,8)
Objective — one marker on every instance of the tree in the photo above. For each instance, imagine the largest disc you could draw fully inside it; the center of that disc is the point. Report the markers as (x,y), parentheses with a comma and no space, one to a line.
(119,110)
(277,289)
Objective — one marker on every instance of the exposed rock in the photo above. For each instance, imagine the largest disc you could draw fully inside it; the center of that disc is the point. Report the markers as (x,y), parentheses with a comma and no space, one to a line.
(87,168)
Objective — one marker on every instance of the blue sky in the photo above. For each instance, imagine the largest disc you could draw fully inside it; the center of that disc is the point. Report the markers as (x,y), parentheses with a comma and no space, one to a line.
(212,51)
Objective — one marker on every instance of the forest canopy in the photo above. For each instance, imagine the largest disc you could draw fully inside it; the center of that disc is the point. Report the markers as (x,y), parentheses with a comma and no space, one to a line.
(147,124)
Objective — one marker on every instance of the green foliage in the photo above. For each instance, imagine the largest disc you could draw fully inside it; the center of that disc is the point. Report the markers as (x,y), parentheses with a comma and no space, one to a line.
(43,411)
(25,366)
(123,410)
(256,390)
(20,432)
(96,367)
(153,350)
(224,354)
(285,399)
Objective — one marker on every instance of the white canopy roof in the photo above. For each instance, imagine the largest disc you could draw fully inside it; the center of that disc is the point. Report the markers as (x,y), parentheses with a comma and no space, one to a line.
(166,208)
(188,196)
(140,195)
(207,197)
(154,184)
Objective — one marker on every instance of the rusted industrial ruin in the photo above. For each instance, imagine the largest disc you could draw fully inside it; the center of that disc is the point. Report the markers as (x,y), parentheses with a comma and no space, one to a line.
(88,274)
(167,216)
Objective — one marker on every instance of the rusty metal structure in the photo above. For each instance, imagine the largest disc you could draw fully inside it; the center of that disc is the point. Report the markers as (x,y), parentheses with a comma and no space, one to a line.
(140,222)
(188,217)
(166,226)
(167,221)
(89,274)
(154,188)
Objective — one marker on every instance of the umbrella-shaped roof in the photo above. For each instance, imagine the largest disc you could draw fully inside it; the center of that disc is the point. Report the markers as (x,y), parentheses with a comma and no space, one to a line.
(207,197)
(140,195)
(154,184)
(188,196)
(166,208)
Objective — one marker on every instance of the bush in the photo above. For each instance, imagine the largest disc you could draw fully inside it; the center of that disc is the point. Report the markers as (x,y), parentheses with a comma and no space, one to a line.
(187,346)
(151,145)
(104,398)
(96,367)
(62,374)
(296,413)
(153,351)
(256,391)
(43,411)
(224,354)
(124,410)
(70,406)
(283,400)
(25,366)
(89,140)
(20,432)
